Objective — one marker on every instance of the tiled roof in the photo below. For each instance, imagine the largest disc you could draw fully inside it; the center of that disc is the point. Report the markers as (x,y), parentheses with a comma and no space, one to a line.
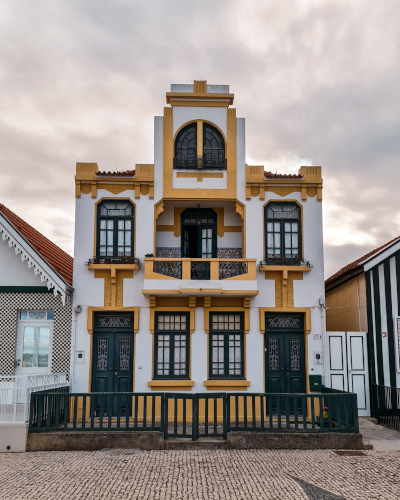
(270,175)
(127,173)
(356,263)
(60,261)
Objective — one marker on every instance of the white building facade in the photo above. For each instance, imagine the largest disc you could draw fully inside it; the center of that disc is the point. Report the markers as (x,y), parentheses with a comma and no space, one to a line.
(198,272)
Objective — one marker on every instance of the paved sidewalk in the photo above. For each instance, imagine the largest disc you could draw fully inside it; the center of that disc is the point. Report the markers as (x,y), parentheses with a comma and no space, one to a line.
(227,475)
(380,437)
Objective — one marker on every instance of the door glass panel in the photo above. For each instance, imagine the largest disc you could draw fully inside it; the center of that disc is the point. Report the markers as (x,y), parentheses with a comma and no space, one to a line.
(295,355)
(273,354)
(36,347)
(124,354)
(102,354)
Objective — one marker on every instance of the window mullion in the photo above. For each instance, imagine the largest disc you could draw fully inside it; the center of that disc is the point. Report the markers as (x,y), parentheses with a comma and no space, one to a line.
(226,351)
(171,355)
(200,145)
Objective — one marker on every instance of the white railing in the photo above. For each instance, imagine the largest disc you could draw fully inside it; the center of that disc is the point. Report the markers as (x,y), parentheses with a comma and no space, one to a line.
(15,392)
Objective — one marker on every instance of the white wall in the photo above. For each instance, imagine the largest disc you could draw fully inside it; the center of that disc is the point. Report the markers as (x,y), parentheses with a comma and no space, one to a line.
(14,272)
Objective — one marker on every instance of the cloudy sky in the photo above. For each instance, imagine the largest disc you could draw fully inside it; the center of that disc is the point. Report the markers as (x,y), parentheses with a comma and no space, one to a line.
(318,82)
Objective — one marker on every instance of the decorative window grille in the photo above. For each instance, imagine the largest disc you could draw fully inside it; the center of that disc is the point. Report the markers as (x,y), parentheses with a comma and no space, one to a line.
(283,322)
(36,315)
(273,354)
(115,229)
(114,321)
(102,354)
(171,346)
(283,232)
(124,354)
(226,344)
(295,355)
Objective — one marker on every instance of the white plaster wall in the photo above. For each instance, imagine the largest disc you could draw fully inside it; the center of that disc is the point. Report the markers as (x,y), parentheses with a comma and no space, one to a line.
(14,272)
(206,183)
(183,114)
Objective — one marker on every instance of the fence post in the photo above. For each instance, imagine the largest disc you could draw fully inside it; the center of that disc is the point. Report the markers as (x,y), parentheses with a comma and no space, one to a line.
(355,412)
(224,419)
(195,417)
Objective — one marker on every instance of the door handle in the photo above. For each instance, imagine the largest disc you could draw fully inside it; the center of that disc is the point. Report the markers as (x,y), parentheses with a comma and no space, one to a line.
(17,362)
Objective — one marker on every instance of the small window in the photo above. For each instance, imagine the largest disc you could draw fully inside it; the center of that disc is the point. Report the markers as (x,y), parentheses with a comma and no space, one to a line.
(283,232)
(115,229)
(171,346)
(226,346)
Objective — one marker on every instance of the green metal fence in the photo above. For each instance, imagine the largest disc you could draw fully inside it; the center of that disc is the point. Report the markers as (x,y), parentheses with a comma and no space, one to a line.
(193,415)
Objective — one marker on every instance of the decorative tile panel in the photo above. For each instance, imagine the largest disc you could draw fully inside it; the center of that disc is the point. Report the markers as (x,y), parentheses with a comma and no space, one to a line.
(168,253)
(229,253)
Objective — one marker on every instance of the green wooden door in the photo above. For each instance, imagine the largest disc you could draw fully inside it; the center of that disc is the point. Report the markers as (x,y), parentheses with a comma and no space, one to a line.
(284,355)
(112,368)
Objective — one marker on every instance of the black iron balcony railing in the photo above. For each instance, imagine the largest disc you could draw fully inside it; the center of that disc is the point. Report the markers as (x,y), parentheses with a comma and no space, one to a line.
(283,261)
(123,259)
(200,162)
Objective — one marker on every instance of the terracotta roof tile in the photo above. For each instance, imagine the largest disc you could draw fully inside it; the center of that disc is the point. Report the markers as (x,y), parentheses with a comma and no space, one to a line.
(270,175)
(126,173)
(356,263)
(60,261)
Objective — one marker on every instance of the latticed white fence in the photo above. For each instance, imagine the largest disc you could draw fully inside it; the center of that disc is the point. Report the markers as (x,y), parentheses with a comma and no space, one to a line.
(15,393)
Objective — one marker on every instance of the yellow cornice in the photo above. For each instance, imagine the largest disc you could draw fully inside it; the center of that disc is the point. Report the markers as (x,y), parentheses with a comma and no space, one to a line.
(309,186)
(86,181)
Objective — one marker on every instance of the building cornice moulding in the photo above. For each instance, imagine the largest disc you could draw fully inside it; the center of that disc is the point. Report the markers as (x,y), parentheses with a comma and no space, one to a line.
(34,260)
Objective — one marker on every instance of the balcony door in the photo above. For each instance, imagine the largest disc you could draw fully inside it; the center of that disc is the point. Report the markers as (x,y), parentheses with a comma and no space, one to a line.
(199,233)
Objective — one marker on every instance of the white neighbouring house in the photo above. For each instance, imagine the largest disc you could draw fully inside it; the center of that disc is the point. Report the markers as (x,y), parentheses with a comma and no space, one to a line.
(35,322)
(198,272)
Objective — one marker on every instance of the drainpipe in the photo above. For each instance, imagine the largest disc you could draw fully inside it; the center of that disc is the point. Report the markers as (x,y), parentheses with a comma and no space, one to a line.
(77,310)
(322,308)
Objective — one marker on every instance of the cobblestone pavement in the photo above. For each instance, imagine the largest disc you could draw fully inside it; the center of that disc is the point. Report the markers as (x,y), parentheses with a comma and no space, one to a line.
(230,475)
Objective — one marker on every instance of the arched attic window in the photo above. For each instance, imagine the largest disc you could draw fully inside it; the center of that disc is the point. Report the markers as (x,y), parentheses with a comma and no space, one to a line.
(213,147)
(199,145)
(186,147)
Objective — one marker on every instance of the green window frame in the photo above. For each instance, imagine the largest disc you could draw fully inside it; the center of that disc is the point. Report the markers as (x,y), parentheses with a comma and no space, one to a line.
(226,345)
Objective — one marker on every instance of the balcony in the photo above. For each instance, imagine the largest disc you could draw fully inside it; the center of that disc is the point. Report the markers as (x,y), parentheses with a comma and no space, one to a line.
(200,162)
(203,275)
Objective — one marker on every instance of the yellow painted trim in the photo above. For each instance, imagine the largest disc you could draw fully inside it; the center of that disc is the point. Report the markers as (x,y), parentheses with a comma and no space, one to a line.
(113,275)
(304,310)
(192,316)
(95,223)
(199,176)
(91,310)
(201,291)
(227,385)
(199,138)
(170,385)
(90,316)
(168,153)
(309,186)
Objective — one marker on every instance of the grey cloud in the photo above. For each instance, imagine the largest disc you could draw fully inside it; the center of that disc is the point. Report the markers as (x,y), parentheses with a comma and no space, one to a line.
(315,79)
